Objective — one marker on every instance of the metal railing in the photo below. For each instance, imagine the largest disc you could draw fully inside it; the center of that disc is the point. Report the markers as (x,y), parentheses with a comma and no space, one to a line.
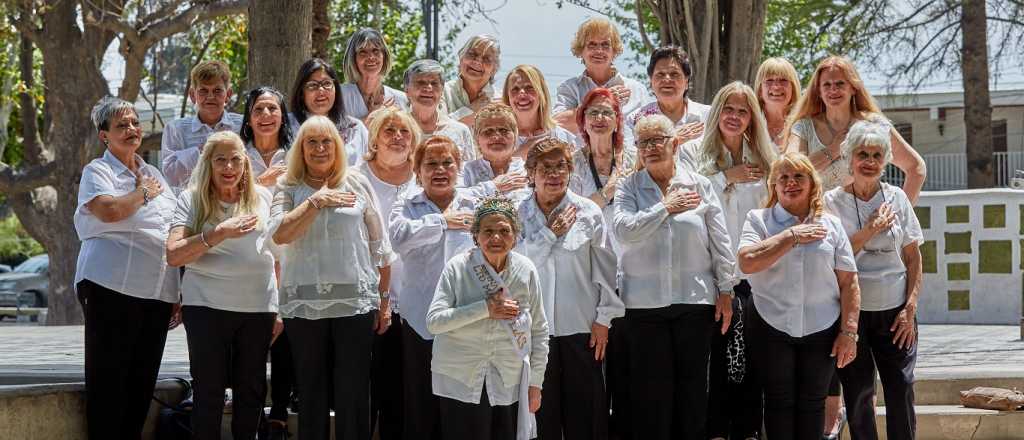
(949,171)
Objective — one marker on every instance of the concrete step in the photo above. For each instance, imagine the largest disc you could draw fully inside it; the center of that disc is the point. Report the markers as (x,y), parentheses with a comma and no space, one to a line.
(954,422)
(942,391)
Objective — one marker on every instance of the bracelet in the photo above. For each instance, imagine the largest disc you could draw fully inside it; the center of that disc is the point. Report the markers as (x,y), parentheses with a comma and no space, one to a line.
(202,236)
(851,335)
(145,196)
(793,233)
(311,202)
(828,155)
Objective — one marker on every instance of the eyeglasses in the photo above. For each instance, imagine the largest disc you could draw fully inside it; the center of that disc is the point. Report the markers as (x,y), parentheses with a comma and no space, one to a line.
(651,143)
(604,45)
(480,58)
(597,113)
(555,169)
(491,131)
(393,130)
(313,86)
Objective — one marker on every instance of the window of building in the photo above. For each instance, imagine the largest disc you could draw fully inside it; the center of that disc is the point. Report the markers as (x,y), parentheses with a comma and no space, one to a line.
(999,136)
(907,131)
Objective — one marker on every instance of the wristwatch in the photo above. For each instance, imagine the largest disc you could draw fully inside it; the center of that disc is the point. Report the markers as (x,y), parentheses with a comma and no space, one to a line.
(851,335)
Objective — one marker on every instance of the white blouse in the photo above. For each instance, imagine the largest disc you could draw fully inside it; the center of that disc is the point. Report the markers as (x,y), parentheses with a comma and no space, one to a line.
(455,101)
(127,256)
(459,133)
(582,182)
(237,274)
(685,258)
(478,175)
(331,270)
(695,112)
(799,294)
(386,195)
(421,236)
(576,270)
(557,133)
(470,348)
(353,133)
(736,198)
(572,91)
(181,142)
(880,269)
(355,106)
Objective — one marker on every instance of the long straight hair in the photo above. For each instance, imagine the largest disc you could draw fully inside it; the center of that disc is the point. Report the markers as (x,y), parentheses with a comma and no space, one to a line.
(862,104)
(714,155)
(536,79)
(204,197)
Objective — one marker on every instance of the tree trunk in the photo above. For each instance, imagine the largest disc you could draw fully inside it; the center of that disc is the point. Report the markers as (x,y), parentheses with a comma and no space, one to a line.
(279,41)
(977,105)
(321,28)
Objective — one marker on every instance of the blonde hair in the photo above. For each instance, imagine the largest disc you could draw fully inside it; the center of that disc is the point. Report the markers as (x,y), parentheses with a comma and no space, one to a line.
(810,104)
(536,79)
(779,67)
(210,70)
(204,195)
(655,122)
(296,159)
(596,26)
(713,155)
(797,162)
(379,118)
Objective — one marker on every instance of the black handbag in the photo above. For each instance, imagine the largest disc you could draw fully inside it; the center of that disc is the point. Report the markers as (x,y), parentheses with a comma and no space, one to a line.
(175,420)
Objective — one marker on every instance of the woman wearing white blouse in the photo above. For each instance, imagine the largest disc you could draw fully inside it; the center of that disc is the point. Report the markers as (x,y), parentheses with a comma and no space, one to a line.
(885,236)
(676,275)
(479,60)
(367,63)
(388,167)
(126,288)
(733,155)
(803,279)
(491,343)
(669,70)
(229,290)
(334,280)
(497,171)
(563,234)
(317,92)
(428,227)
(423,79)
(527,93)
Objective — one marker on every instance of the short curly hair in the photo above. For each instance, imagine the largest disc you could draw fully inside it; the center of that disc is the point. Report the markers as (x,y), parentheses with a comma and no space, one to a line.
(596,27)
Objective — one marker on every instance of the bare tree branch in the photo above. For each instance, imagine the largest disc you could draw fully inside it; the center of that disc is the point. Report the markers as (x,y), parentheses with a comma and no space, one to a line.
(199,12)
(24,179)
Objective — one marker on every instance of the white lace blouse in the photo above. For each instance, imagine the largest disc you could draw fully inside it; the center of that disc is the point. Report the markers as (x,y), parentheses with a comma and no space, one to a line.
(331,270)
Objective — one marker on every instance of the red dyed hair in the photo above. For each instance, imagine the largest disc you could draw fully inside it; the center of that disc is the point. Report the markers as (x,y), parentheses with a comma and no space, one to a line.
(592,96)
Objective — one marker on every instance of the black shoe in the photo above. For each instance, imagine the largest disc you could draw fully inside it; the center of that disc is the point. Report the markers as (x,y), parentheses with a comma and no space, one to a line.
(278,430)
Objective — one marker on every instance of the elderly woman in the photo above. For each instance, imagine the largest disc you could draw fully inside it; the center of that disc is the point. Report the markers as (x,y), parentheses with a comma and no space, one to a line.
(885,236)
(265,134)
(428,228)
(669,69)
(465,95)
(803,279)
(835,99)
(367,62)
(497,171)
(423,81)
(777,87)
(596,44)
(317,92)
(388,167)
(491,334)
(733,156)
(334,280)
(563,234)
(126,288)
(676,274)
(527,93)
(229,290)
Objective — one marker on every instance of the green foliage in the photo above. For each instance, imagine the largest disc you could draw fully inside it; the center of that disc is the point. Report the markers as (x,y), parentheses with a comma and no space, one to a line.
(15,243)
(805,31)
(401,26)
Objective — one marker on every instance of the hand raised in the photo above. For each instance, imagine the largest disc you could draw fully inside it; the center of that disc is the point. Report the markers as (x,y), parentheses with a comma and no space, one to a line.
(743,173)
(237,226)
(459,220)
(681,200)
(807,233)
(562,222)
(500,306)
(509,182)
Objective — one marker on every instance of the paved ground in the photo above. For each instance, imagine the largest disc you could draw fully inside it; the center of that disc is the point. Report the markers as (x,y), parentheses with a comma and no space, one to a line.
(28,351)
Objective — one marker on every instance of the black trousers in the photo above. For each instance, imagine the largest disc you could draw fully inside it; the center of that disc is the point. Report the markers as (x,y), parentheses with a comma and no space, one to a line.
(227,350)
(422,416)
(795,373)
(386,382)
(735,410)
(124,343)
(332,357)
(896,370)
(481,421)
(668,370)
(282,377)
(573,406)
(616,364)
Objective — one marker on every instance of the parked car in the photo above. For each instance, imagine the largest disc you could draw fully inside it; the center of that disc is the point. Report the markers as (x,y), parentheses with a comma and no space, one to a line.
(4,268)
(28,285)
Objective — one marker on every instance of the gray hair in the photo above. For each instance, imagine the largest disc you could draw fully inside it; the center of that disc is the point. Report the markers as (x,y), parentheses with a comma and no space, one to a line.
(106,109)
(868,132)
(423,67)
(362,38)
(653,122)
(485,42)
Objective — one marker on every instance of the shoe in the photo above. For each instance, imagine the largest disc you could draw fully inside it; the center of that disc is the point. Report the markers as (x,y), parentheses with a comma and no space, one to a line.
(837,434)
(278,430)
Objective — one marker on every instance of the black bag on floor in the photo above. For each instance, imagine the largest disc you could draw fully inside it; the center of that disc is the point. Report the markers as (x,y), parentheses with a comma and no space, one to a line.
(175,420)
